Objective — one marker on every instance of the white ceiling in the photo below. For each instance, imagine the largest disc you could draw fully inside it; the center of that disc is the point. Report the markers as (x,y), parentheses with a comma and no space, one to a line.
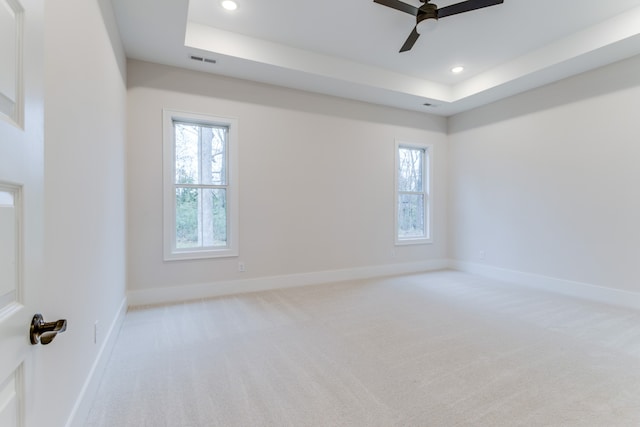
(349,48)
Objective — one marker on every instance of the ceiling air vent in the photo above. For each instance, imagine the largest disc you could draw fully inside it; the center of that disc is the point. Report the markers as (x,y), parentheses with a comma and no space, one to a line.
(202,59)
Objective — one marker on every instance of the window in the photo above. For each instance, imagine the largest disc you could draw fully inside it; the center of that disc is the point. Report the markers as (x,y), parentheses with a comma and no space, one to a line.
(413,207)
(200,186)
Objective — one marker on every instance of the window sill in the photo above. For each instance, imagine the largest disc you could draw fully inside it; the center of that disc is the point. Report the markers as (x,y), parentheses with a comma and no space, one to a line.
(200,254)
(409,242)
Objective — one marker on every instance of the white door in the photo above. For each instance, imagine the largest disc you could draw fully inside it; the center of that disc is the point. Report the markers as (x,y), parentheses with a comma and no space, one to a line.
(21,201)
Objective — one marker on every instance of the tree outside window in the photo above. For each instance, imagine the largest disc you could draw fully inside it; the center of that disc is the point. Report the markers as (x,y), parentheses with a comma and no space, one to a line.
(200,182)
(412,193)
(200,186)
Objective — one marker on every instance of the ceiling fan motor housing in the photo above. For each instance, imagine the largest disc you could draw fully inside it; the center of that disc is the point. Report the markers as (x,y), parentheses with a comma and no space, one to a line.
(427,11)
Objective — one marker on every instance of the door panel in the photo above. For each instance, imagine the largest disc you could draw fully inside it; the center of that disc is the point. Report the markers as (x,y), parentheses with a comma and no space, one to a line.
(9,245)
(10,405)
(11,38)
(21,203)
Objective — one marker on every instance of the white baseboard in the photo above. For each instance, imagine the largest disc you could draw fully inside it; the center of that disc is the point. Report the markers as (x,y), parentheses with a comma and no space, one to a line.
(214,289)
(83,404)
(586,291)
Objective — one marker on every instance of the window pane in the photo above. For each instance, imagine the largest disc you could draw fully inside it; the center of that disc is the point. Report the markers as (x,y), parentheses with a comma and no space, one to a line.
(214,155)
(201,218)
(411,216)
(410,169)
(186,152)
(187,217)
(194,141)
(215,217)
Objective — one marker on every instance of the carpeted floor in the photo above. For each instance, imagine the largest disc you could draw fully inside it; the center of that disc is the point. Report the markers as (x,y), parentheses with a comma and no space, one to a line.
(435,349)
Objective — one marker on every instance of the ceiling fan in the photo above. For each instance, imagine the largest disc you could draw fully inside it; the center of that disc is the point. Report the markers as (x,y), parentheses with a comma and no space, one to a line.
(431,11)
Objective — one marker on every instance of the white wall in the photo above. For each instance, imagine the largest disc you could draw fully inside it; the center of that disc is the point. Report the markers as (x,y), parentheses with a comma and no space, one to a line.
(545,182)
(548,182)
(316,178)
(85,111)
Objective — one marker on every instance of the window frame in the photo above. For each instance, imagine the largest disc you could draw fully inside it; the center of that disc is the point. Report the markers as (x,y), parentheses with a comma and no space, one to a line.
(170,250)
(427,173)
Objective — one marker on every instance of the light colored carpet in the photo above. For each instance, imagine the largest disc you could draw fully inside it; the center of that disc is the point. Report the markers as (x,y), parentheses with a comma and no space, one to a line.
(436,349)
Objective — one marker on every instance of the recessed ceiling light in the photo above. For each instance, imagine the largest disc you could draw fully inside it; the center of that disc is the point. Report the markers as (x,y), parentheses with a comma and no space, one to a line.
(457,70)
(229,5)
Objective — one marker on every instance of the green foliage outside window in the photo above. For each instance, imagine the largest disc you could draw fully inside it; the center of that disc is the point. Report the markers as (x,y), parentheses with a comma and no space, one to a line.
(200,177)
(411,194)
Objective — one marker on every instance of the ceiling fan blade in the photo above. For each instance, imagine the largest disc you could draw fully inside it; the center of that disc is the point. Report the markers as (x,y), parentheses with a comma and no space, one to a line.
(466,6)
(398,5)
(411,40)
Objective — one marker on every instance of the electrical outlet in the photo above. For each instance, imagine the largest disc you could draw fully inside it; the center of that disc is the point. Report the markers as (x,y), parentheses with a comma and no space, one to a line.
(482,255)
(241,267)
(96,331)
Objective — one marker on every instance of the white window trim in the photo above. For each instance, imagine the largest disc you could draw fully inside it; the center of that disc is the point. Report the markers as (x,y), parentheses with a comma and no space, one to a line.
(427,179)
(169,208)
